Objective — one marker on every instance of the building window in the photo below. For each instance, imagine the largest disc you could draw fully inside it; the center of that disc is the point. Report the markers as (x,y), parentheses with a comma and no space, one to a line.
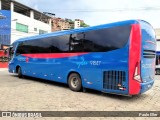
(42,31)
(35,29)
(21,27)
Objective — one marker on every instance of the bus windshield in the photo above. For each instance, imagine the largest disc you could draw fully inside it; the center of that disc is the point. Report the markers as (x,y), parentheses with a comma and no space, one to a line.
(11,50)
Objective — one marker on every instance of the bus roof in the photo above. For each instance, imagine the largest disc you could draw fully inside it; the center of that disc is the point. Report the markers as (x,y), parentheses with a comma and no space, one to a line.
(58,33)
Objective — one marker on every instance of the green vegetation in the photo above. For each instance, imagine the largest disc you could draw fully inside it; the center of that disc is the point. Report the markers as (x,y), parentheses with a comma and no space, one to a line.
(84,24)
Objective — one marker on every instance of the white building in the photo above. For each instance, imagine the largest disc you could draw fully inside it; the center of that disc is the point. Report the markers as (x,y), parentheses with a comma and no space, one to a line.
(24,21)
(77,23)
(158,38)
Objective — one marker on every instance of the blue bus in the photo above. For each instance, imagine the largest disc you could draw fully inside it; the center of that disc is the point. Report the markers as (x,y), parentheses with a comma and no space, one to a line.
(116,58)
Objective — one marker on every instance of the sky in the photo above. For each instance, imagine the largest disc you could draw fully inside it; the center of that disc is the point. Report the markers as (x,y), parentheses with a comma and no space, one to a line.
(95,12)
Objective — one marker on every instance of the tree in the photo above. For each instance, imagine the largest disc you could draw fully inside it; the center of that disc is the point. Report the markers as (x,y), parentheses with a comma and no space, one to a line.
(83,24)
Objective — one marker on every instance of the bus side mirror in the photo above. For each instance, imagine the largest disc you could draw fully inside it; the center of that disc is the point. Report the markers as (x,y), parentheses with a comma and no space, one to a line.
(10,49)
(5,51)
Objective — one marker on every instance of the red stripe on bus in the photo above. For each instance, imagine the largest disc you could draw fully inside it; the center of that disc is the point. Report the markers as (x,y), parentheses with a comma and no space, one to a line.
(134,57)
(53,55)
(149,41)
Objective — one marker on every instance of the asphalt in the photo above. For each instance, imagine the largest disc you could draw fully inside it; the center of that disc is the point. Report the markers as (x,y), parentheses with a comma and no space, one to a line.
(30,94)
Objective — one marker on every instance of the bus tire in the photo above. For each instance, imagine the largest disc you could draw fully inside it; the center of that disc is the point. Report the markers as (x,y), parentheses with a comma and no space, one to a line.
(74,82)
(20,72)
(157,71)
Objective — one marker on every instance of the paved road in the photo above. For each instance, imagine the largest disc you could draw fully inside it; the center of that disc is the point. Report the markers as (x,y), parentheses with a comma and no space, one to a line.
(32,94)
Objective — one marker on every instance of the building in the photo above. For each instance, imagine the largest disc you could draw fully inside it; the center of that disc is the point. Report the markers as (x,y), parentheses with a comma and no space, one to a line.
(18,21)
(158,38)
(55,24)
(59,24)
(157,33)
(77,23)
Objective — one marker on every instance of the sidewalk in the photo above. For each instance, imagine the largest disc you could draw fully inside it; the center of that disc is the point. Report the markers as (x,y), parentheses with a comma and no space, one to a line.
(3,69)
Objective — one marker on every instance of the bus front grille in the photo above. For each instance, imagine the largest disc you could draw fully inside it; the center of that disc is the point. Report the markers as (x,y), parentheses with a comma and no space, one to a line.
(149,54)
(113,80)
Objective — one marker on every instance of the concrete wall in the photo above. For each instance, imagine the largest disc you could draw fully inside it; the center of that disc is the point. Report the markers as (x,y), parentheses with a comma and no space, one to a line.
(158,45)
(158,37)
(157,33)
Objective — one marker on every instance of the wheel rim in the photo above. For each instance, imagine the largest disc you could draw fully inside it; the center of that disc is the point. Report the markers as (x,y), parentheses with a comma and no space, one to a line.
(74,82)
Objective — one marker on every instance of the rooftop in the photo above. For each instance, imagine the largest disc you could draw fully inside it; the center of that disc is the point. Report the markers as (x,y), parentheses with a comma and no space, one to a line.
(25,10)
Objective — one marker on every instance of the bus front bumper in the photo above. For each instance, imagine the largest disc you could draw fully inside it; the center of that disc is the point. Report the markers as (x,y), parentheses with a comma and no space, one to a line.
(146,86)
(11,68)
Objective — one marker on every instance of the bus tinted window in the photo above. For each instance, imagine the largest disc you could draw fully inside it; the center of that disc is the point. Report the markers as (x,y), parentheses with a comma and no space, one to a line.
(77,42)
(101,40)
(47,45)
(92,41)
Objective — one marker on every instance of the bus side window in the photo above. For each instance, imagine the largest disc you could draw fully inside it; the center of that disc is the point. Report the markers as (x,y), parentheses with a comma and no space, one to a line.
(76,44)
(157,60)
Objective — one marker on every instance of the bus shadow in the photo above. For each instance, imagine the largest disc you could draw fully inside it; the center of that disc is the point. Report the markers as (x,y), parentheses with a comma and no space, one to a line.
(88,91)
(118,97)
(49,82)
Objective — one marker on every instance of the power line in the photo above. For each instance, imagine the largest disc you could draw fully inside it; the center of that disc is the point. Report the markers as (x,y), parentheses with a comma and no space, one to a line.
(108,10)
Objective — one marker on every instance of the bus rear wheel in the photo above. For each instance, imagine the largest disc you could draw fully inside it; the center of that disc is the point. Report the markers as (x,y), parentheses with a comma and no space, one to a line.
(20,72)
(75,82)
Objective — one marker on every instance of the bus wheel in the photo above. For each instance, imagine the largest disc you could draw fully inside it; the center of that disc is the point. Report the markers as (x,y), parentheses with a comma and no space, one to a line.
(20,72)
(157,71)
(75,82)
